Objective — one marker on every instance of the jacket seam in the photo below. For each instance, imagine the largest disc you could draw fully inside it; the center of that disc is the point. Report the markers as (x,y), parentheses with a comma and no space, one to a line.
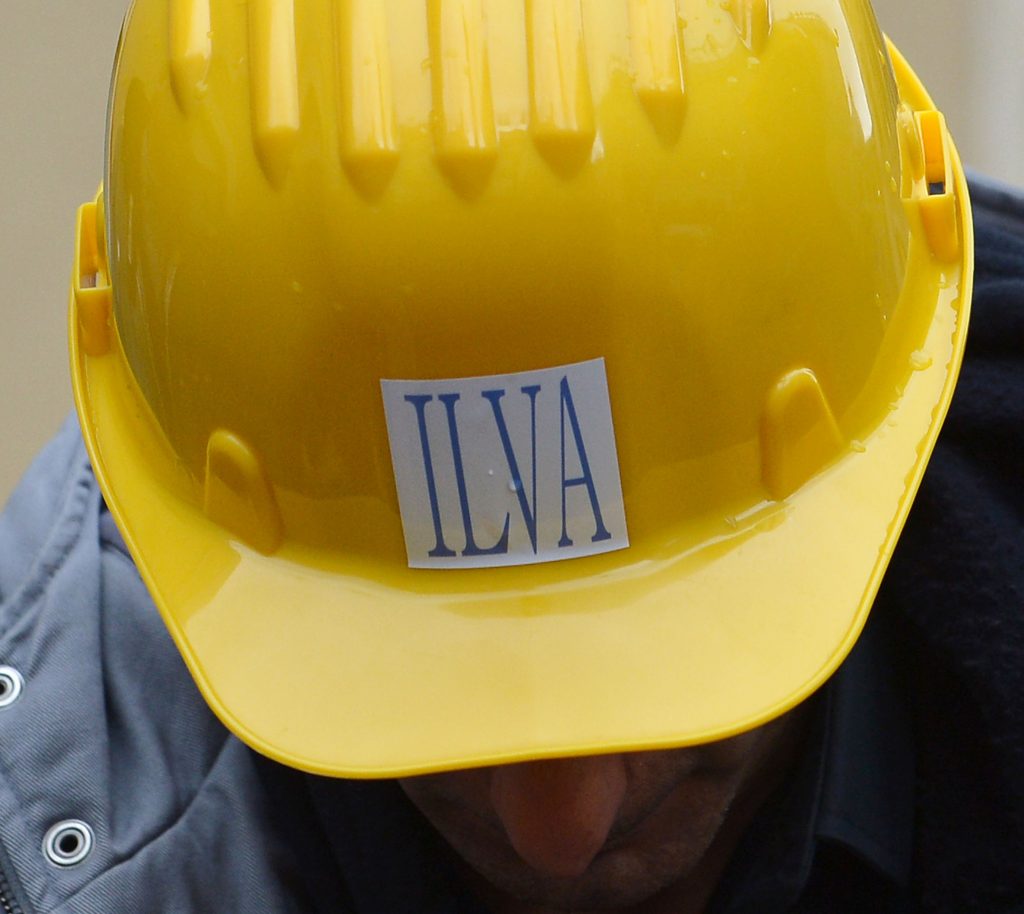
(52,553)
(18,814)
(173,824)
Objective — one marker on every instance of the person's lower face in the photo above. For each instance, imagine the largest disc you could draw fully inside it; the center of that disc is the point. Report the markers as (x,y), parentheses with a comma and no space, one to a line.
(605,832)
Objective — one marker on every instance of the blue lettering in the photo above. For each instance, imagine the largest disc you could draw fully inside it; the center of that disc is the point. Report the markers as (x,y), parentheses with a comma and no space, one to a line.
(420,401)
(500,547)
(587,478)
(529,509)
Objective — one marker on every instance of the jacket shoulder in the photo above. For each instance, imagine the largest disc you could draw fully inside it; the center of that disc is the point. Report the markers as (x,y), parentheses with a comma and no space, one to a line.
(108,728)
(957,581)
(997,205)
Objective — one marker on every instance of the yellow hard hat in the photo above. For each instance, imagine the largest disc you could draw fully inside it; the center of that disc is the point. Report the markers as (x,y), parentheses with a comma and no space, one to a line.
(486,380)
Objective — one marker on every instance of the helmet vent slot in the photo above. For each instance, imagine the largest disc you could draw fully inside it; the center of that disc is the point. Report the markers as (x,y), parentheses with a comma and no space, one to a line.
(191,47)
(753,20)
(561,104)
(659,67)
(274,80)
(369,148)
(465,134)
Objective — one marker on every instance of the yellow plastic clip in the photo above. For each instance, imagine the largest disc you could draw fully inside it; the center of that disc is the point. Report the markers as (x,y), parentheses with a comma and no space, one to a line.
(239,495)
(936,202)
(91,281)
(799,434)
(913,168)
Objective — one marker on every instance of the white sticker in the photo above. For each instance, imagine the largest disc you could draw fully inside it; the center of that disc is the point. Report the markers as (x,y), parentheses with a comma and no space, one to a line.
(510,469)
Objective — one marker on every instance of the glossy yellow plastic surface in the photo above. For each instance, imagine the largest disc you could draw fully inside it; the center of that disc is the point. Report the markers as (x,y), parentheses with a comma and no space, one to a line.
(762,230)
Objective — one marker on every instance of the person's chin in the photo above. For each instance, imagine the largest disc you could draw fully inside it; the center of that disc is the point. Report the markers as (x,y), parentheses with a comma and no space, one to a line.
(633,868)
(620,877)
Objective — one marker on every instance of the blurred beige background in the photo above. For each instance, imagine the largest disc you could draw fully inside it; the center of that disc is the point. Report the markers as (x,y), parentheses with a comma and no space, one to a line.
(55,58)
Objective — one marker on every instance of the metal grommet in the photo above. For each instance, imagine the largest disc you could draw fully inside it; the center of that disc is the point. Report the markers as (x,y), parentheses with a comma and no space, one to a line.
(11,685)
(68,843)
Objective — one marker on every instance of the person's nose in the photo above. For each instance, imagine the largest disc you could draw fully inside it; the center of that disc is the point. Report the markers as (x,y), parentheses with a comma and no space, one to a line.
(558,813)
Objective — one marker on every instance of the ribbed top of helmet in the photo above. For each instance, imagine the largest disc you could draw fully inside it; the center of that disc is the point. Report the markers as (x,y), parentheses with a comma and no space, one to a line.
(466,117)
